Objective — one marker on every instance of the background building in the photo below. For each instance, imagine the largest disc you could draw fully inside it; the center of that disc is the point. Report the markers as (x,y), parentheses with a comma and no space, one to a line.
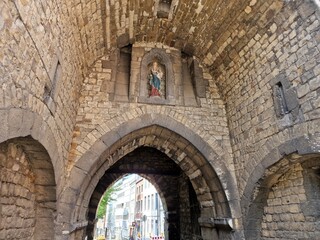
(136,212)
(149,211)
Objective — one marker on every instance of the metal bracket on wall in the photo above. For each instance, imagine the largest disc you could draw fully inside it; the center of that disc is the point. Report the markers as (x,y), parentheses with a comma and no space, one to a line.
(220,223)
(75,226)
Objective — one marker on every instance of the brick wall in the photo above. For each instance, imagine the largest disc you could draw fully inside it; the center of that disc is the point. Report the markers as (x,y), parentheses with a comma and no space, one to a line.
(17,202)
(290,211)
(283,217)
(35,36)
(253,48)
(96,113)
(27,191)
(270,41)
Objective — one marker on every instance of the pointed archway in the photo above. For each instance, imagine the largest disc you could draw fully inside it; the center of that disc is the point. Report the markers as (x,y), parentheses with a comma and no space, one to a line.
(173,186)
(196,159)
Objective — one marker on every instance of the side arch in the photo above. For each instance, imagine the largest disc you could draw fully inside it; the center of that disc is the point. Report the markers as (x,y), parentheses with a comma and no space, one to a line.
(18,122)
(277,162)
(28,190)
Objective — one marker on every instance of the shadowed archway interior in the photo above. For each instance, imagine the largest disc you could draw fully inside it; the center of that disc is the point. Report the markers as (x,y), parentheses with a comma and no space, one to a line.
(169,161)
(172,184)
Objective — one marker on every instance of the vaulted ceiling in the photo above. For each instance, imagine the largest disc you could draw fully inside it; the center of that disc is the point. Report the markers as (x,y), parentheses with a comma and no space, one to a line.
(195,27)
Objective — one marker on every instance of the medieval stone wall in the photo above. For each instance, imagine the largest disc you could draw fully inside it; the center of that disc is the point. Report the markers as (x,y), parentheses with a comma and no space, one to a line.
(284,212)
(41,72)
(27,191)
(98,115)
(272,41)
(260,63)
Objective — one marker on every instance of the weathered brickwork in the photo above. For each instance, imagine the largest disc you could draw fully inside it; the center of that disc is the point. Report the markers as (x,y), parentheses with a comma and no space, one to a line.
(282,39)
(283,214)
(242,98)
(31,41)
(97,115)
(17,202)
(28,198)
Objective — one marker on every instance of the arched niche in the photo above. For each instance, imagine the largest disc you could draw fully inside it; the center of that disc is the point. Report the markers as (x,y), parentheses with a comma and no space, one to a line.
(164,67)
(285,200)
(298,154)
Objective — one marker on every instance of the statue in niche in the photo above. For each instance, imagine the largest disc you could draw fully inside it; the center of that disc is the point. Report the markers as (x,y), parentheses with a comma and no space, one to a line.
(156,80)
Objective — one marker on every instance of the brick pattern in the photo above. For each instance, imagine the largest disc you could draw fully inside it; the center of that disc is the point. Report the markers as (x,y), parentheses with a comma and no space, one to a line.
(282,38)
(250,46)
(33,35)
(17,201)
(28,192)
(189,212)
(283,214)
(101,158)
(97,115)
(136,21)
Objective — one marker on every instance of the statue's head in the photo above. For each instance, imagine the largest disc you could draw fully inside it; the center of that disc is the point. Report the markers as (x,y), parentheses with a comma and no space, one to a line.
(155,65)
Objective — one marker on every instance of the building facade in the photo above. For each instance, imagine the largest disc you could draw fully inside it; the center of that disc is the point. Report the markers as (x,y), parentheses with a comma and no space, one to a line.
(136,211)
(150,215)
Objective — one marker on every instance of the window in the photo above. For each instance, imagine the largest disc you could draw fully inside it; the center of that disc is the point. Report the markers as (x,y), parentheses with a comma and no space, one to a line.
(280,99)
(164,8)
(285,100)
(152,202)
(157,201)
(51,90)
(145,203)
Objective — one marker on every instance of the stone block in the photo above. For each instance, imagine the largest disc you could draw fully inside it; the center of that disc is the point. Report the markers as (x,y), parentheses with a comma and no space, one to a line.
(291,99)
(4,128)
(110,138)
(15,120)
(303,146)
(27,122)
(306,9)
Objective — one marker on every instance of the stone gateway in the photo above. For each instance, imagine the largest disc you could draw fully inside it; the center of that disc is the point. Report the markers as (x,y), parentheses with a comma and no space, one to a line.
(216,103)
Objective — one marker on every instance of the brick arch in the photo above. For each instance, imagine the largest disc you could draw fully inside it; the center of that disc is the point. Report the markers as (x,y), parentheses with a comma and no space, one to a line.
(18,122)
(27,170)
(262,178)
(91,166)
(306,144)
(152,164)
(147,115)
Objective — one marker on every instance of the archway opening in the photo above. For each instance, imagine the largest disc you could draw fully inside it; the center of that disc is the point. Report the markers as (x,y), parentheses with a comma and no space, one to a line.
(188,161)
(181,208)
(27,190)
(133,210)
